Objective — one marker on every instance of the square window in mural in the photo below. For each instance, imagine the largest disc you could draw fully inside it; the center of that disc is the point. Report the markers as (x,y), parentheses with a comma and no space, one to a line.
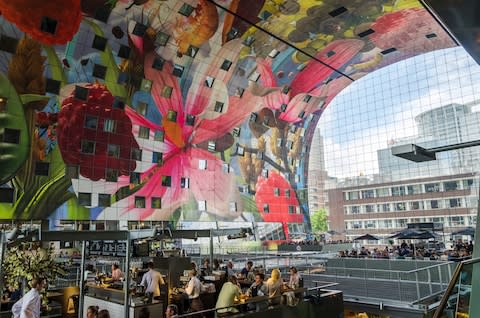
(136,154)
(48,25)
(248,41)
(233,206)
(226,65)
(273,53)
(253,117)
(99,71)
(186,10)
(99,43)
(109,125)
(11,136)
(166,181)
(72,171)
(226,168)
(202,205)
(111,175)
(157,157)
(159,135)
(139,29)
(135,177)
(7,195)
(239,91)
(156,203)
(146,85)
(87,147)
(158,63)
(192,51)
(124,52)
(184,183)
(291,209)
(211,146)
(172,115)
(140,202)
(232,34)
(91,122)
(283,108)
(287,193)
(330,53)
(307,98)
(254,77)
(240,150)
(265,173)
(218,107)
(390,50)
(3,104)
(202,164)
(162,38)
(178,70)
(42,168)
(190,120)
(236,131)
(142,108)
(113,150)
(143,132)
(365,33)
(286,89)
(118,103)
(209,81)
(81,93)
(276,192)
(266,208)
(85,199)
(167,91)
(102,14)
(264,15)
(104,200)
(431,36)
(8,44)
(52,86)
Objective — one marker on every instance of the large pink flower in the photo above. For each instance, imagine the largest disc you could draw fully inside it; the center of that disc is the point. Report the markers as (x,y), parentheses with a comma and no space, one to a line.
(303,96)
(180,149)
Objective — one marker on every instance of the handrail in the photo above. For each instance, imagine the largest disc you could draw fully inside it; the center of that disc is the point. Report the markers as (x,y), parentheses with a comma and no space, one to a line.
(428,267)
(452,284)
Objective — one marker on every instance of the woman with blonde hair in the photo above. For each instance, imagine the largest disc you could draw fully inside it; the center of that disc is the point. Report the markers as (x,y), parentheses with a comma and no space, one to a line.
(274,287)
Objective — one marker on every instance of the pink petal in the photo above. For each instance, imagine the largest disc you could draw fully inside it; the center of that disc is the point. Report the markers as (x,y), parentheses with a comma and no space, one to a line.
(239,109)
(298,109)
(275,100)
(160,80)
(314,73)
(264,68)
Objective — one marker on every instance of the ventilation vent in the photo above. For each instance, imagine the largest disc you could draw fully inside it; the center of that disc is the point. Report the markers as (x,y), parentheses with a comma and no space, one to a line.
(365,33)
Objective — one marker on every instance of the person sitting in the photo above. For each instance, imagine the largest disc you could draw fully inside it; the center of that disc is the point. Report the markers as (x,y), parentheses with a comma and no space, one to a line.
(246,270)
(258,288)
(294,281)
(92,311)
(171,311)
(104,313)
(274,287)
(226,298)
(230,271)
(89,274)
(206,269)
(116,272)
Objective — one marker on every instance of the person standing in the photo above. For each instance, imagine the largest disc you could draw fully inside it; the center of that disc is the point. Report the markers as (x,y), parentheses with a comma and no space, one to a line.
(29,305)
(193,291)
(117,274)
(152,280)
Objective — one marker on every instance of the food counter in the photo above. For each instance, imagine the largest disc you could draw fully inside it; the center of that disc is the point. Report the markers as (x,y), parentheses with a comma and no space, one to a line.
(112,299)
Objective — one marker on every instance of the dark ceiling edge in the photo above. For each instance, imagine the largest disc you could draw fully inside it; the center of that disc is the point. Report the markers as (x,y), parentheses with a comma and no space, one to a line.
(280,39)
(439,21)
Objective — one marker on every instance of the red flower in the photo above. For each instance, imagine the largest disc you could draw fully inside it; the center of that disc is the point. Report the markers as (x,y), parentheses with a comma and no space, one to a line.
(49,22)
(74,128)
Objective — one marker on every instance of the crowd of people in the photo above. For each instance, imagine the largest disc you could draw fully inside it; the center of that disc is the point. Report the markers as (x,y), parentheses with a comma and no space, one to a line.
(459,251)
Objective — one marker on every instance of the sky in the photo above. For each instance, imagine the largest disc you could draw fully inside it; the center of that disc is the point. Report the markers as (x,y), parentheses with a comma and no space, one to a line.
(382,106)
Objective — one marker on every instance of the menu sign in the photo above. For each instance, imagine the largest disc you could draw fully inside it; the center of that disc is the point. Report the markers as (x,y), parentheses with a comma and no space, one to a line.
(121,248)
(108,248)
(96,247)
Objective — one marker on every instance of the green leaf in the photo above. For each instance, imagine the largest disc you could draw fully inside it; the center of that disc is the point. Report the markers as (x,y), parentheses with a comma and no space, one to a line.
(111,77)
(12,155)
(27,98)
(56,67)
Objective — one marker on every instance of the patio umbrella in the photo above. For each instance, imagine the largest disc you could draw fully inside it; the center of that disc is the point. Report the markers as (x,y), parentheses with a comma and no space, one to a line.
(470,231)
(367,237)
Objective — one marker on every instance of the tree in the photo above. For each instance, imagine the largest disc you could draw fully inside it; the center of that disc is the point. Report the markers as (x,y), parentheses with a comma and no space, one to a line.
(319,220)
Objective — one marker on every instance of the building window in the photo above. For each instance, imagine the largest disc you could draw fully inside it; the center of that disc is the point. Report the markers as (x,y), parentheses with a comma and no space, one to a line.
(111,175)
(414,189)
(135,178)
(202,205)
(287,193)
(104,200)
(369,208)
(353,195)
(400,206)
(450,186)
(291,209)
(467,184)
(143,132)
(166,181)
(136,154)
(233,206)
(432,187)
(398,191)
(266,208)
(383,192)
(434,204)
(157,157)
(159,135)
(113,150)
(455,203)
(416,205)
(156,203)
(368,194)
(140,202)
(109,125)
(202,164)
(91,122)
(355,209)
(185,183)
(276,192)
(386,207)
(72,171)
(85,199)
(88,147)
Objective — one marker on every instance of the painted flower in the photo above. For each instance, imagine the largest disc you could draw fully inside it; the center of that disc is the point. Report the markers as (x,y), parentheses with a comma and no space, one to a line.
(186,124)
(304,96)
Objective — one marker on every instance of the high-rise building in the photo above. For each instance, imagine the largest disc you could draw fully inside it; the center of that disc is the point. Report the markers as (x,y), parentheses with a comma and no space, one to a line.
(317,196)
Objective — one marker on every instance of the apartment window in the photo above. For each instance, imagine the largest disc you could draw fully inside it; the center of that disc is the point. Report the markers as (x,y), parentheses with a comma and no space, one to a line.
(184,183)
(455,203)
(143,132)
(140,202)
(85,199)
(291,209)
(434,204)
(432,187)
(111,175)
(369,208)
(104,200)
(136,154)
(353,195)
(202,205)
(398,191)
(383,192)
(357,225)
(159,135)
(450,186)
(400,206)
(456,221)
(88,147)
(355,209)
(467,184)
(72,171)
(276,192)
(368,194)
(109,125)
(91,122)
(172,115)
(156,203)
(402,223)
(202,164)
(287,193)
(166,181)
(414,189)
(142,108)
(113,150)
(416,205)
(135,178)
(157,157)
(266,208)
(386,207)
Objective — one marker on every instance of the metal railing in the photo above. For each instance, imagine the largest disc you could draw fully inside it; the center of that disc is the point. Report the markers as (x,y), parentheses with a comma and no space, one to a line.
(455,300)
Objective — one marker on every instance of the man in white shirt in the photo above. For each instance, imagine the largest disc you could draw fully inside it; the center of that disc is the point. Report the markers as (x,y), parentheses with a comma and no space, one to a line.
(29,305)
(193,291)
(152,280)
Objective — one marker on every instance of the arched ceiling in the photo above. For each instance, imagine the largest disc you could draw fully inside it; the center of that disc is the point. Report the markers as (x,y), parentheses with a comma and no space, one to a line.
(194,109)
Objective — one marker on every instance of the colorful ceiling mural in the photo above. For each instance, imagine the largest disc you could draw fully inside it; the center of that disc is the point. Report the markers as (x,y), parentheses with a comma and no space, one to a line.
(194,110)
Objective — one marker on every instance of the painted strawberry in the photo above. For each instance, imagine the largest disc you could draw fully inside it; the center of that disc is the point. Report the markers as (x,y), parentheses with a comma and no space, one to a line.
(49,22)
(277,201)
(95,124)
